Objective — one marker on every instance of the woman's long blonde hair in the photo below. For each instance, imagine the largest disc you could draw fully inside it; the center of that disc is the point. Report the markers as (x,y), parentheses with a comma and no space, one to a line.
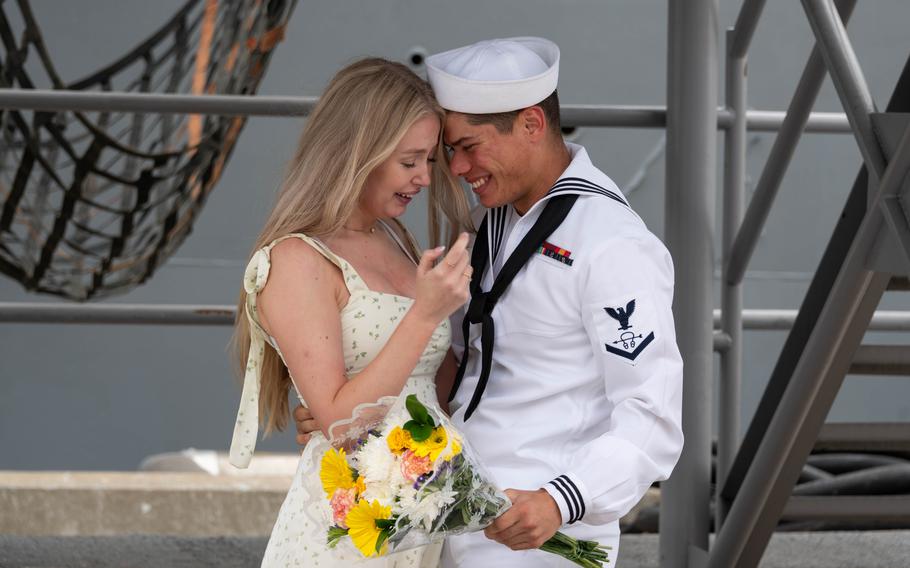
(364,113)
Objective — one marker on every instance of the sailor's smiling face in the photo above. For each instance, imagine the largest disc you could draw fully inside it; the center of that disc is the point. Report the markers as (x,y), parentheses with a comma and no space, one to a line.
(493,163)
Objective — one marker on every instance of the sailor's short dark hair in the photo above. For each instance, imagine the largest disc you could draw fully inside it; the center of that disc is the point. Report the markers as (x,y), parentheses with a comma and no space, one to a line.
(504,121)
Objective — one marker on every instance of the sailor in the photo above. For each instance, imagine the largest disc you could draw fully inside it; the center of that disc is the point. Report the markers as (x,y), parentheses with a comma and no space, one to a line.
(570,381)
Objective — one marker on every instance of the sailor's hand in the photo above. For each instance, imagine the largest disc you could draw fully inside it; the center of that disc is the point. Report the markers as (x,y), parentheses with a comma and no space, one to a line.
(306,424)
(532,520)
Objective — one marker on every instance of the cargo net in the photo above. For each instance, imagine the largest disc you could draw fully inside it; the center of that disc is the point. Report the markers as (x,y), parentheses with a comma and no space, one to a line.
(94,202)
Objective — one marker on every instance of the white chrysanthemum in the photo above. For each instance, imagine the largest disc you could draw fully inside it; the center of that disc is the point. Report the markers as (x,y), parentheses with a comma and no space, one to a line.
(429,507)
(387,490)
(380,470)
(378,492)
(407,499)
(396,477)
(375,462)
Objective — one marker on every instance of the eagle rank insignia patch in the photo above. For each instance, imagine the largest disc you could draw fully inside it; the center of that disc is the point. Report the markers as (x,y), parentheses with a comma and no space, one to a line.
(625,329)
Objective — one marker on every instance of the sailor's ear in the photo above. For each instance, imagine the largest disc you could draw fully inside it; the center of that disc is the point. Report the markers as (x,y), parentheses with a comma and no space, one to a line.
(533,123)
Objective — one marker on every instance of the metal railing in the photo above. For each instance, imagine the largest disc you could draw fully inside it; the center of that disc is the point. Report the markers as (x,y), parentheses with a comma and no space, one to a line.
(224,314)
(615,116)
(130,314)
(877,359)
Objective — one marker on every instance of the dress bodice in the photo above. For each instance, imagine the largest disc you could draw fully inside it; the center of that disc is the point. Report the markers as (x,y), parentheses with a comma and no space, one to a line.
(367,321)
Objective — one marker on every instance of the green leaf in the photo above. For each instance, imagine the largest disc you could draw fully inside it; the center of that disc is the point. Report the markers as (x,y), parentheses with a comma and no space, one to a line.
(419,432)
(335,534)
(384,524)
(418,411)
(383,536)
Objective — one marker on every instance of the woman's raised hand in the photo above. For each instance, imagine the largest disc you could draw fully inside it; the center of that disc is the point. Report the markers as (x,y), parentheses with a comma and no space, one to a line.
(443,288)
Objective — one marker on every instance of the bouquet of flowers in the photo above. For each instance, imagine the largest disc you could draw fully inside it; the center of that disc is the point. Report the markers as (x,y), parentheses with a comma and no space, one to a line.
(399,475)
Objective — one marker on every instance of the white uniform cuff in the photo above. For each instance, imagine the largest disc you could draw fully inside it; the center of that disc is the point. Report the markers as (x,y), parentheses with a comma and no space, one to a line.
(565,490)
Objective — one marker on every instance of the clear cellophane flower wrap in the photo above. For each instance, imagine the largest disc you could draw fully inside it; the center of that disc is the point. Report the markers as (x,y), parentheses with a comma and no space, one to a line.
(399,475)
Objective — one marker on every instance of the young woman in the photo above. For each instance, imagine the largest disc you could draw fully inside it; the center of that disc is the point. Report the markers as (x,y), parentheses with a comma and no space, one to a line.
(336,302)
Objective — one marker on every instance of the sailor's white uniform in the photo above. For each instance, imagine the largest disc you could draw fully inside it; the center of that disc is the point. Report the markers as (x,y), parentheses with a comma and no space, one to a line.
(585,394)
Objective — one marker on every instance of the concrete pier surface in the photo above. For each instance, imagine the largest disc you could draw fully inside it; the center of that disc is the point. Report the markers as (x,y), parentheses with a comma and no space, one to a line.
(190,519)
(880,549)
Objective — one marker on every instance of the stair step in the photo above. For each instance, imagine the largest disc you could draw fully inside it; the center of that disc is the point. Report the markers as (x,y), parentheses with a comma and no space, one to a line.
(882,437)
(893,360)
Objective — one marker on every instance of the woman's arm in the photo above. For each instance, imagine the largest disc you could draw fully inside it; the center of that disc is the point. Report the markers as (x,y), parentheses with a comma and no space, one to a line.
(299,307)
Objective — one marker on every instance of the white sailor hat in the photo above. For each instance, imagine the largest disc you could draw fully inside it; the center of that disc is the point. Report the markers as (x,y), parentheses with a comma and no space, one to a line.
(497,75)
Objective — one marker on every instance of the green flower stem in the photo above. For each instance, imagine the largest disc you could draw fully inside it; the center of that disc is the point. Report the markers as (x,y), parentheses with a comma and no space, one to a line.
(586,553)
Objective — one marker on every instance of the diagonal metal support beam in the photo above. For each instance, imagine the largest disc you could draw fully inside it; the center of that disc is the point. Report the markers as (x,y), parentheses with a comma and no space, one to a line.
(848,79)
(809,396)
(778,161)
(740,37)
(897,222)
(807,317)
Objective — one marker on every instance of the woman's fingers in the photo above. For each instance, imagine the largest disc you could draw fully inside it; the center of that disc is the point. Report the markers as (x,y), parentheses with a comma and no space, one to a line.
(444,288)
(428,258)
(463,263)
(457,253)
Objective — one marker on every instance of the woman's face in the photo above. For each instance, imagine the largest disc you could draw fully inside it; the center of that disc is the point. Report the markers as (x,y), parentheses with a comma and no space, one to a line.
(391,186)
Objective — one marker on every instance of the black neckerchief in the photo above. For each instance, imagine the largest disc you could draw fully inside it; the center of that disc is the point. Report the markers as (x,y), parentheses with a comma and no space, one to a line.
(480,309)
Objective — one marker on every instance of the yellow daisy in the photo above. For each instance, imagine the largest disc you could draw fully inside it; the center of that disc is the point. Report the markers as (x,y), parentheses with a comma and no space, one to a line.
(360,485)
(456,449)
(362,527)
(399,440)
(432,446)
(334,472)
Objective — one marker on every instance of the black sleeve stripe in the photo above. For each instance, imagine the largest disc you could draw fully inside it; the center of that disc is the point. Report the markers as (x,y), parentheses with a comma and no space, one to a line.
(561,481)
(581,502)
(575,508)
(565,497)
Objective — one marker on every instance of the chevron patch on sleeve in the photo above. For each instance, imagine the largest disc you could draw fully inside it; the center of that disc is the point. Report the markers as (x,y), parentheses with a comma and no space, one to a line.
(625,327)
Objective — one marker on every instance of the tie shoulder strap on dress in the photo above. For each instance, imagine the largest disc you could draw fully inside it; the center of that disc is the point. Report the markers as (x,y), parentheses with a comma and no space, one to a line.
(246,429)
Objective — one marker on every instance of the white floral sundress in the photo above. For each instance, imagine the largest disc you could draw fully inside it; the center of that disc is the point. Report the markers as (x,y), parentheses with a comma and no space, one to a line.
(367,322)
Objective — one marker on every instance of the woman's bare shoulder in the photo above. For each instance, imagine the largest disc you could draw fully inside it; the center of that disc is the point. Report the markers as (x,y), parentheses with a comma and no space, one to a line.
(299,272)
(296,252)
